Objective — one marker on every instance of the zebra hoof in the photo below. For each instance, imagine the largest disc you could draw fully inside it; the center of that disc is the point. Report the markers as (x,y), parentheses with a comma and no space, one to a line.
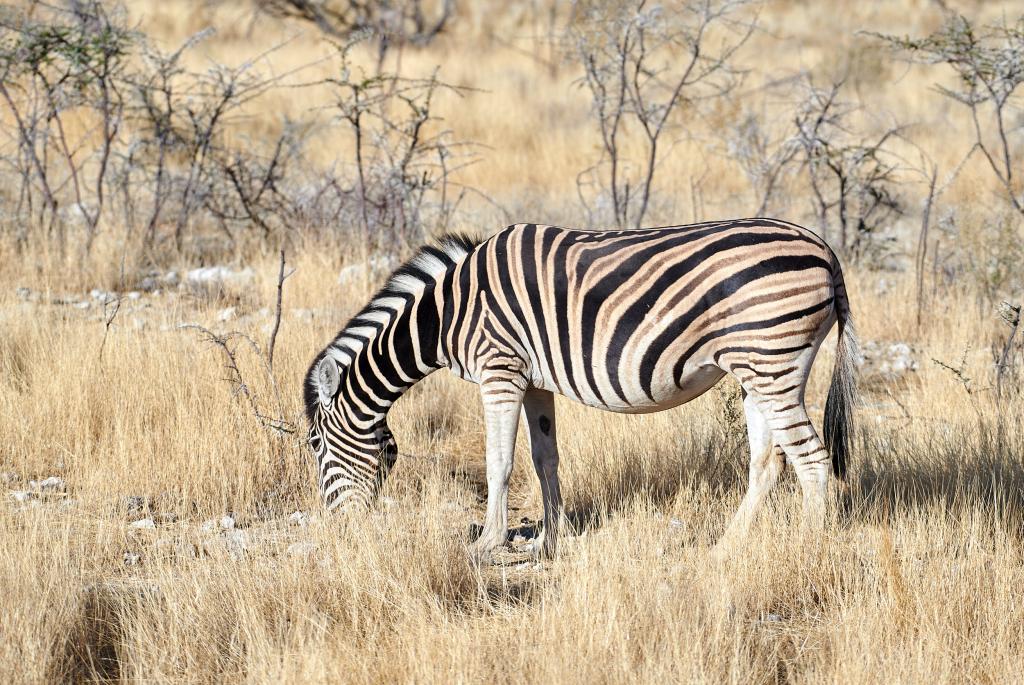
(539,551)
(480,556)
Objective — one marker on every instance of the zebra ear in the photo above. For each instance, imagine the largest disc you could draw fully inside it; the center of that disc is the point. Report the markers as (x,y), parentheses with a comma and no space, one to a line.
(327,380)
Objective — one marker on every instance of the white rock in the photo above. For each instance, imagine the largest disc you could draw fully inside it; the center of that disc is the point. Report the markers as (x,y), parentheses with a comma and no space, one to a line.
(131,559)
(676,523)
(210,526)
(237,542)
(21,496)
(377,265)
(227,523)
(84,304)
(298,518)
(889,361)
(143,524)
(102,295)
(47,486)
(134,295)
(219,276)
(301,549)
(227,314)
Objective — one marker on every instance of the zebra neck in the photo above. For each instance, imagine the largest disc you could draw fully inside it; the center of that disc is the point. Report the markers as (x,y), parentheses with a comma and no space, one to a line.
(393,347)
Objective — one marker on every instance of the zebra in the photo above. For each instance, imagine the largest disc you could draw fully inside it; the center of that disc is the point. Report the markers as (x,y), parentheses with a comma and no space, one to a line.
(632,321)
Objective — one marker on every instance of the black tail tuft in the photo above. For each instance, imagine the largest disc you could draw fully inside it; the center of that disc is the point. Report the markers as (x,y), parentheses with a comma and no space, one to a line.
(842,392)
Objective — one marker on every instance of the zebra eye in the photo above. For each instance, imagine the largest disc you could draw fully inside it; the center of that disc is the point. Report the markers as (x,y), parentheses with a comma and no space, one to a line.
(315,442)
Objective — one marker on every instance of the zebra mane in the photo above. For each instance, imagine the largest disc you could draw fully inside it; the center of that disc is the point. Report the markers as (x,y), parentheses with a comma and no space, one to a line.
(424,268)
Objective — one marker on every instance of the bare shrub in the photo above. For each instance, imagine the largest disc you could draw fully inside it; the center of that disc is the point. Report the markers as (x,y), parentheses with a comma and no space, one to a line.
(849,177)
(58,67)
(161,145)
(989,66)
(642,65)
(403,162)
(765,156)
(393,23)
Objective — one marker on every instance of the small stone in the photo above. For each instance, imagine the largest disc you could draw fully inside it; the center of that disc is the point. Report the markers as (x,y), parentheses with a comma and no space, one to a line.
(149,284)
(301,549)
(48,486)
(21,496)
(24,294)
(771,618)
(135,503)
(134,295)
(213,277)
(227,314)
(518,539)
(84,304)
(102,295)
(143,524)
(227,523)
(298,518)
(9,477)
(131,559)
(676,523)
(210,526)
(237,542)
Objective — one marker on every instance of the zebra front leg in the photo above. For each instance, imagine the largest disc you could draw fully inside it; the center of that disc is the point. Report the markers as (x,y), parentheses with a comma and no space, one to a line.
(502,395)
(539,415)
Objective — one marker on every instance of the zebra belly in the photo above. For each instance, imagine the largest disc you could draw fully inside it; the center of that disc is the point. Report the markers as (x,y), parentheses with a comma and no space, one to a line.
(696,380)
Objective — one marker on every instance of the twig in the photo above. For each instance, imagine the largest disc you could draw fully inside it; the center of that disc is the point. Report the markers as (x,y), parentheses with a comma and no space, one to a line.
(959,370)
(277,314)
(109,321)
(1011,315)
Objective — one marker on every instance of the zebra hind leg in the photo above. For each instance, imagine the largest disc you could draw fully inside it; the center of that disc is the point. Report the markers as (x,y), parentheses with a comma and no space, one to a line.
(794,434)
(766,463)
(539,416)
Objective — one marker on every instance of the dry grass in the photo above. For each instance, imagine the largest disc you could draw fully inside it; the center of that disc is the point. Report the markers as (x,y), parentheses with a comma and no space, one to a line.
(919,582)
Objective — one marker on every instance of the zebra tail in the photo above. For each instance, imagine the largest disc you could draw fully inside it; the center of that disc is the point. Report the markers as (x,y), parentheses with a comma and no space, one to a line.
(842,392)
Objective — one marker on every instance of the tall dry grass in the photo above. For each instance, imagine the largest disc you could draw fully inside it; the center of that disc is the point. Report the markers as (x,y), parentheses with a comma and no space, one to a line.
(919,581)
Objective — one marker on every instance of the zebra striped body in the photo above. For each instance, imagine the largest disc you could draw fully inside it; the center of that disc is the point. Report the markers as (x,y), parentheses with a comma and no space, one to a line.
(628,321)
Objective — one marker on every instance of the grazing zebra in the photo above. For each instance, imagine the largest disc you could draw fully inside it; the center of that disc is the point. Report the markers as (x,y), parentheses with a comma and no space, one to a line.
(629,321)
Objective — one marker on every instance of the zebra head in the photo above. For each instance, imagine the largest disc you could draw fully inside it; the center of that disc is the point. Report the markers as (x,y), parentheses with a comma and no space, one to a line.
(354,448)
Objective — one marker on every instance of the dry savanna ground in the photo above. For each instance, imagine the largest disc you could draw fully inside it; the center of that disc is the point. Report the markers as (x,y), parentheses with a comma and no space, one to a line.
(181,540)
